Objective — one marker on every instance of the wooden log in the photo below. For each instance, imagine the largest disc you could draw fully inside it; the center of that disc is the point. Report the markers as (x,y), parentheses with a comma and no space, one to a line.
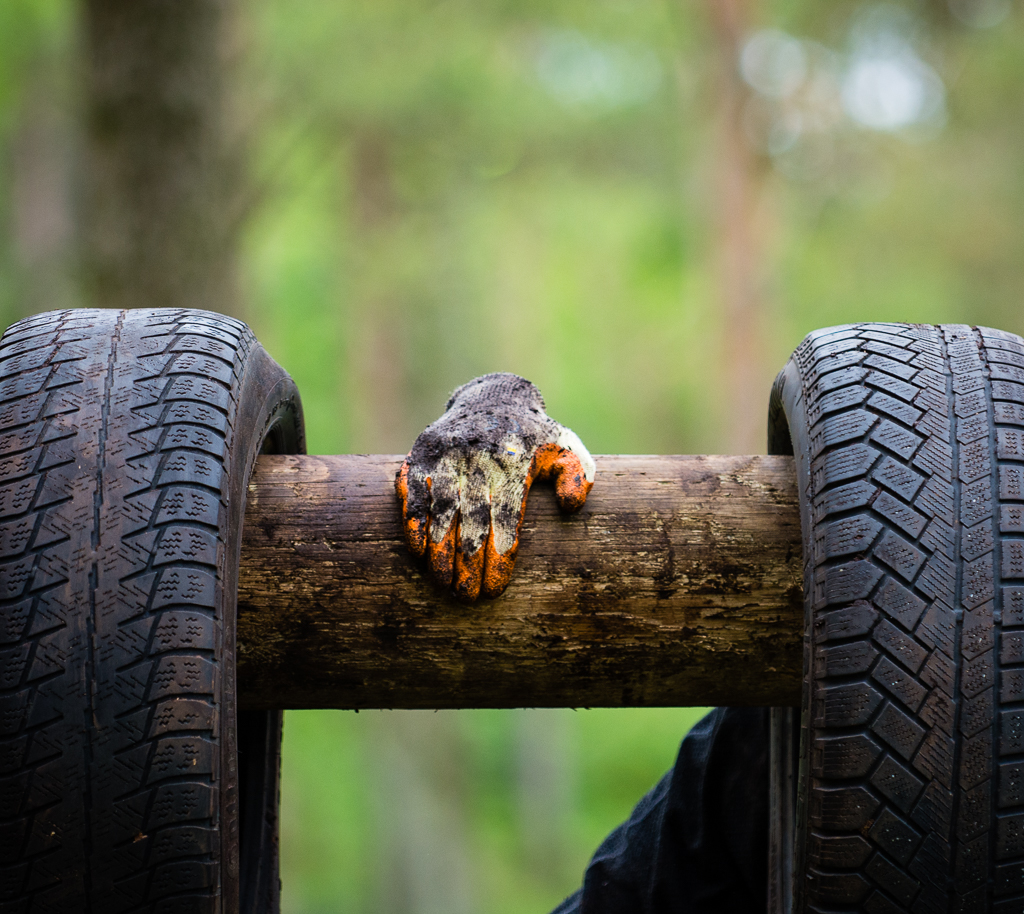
(679,583)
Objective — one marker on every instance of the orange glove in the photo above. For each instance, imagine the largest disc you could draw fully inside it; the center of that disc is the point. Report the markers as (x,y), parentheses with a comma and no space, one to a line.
(463,486)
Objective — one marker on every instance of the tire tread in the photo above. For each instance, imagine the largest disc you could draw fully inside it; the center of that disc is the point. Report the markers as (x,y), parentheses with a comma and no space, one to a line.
(108,718)
(914,445)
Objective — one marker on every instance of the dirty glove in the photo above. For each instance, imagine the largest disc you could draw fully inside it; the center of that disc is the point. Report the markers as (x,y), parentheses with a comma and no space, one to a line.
(463,486)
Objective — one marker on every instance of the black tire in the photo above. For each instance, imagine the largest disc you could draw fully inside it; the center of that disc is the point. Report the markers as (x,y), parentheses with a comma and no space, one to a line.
(126,443)
(908,792)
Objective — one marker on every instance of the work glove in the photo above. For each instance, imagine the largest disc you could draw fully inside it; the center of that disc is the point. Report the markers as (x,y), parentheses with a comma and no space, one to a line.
(463,486)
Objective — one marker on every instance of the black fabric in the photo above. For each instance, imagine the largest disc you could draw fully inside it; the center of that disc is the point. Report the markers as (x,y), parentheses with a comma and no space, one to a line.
(698,842)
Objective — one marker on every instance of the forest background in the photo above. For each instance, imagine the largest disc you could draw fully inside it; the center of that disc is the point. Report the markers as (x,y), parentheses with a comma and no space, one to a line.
(641,206)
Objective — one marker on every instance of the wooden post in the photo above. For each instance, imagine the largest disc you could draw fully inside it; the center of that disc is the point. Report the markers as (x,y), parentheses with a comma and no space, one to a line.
(679,583)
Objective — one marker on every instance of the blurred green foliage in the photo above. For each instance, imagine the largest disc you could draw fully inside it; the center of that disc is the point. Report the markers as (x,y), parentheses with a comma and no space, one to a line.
(441,189)
(428,203)
(337,821)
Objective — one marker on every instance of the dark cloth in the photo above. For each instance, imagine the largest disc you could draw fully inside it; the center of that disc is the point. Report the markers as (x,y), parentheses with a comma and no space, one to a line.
(698,842)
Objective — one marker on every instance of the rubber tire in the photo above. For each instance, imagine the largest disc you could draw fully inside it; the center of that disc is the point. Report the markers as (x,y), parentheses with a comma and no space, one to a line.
(907,791)
(127,440)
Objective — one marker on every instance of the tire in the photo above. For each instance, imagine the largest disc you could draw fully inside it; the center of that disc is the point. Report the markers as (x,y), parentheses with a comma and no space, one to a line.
(904,790)
(126,442)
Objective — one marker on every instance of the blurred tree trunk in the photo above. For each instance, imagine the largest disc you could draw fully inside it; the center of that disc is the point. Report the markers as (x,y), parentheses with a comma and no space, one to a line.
(41,160)
(738,190)
(161,194)
(546,772)
(420,777)
(377,332)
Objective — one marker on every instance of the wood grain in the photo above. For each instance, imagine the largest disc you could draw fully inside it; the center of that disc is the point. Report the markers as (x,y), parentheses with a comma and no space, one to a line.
(679,583)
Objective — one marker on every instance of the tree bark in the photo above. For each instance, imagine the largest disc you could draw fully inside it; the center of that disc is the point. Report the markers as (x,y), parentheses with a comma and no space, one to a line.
(678,583)
(159,190)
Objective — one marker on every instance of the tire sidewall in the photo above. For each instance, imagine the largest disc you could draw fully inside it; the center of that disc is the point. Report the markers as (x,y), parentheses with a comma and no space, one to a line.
(270,410)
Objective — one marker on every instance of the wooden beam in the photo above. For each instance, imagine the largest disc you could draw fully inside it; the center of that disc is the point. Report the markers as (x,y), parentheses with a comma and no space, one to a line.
(679,583)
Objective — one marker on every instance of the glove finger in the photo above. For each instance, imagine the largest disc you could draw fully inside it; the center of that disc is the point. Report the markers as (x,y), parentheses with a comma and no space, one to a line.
(498,568)
(413,490)
(468,575)
(441,554)
(571,484)
(502,545)
(474,529)
(544,460)
(443,527)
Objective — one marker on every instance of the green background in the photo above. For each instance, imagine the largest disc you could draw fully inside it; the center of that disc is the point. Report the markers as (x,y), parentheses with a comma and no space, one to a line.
(440,189)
